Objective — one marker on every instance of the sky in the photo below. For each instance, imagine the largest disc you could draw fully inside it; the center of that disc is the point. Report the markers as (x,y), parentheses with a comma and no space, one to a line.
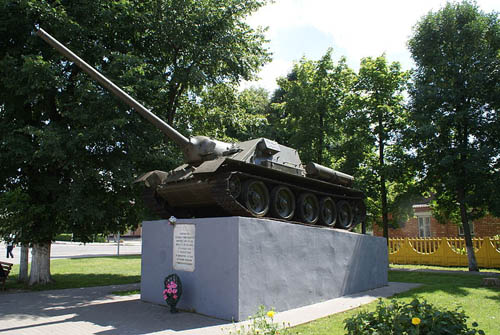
(353,28)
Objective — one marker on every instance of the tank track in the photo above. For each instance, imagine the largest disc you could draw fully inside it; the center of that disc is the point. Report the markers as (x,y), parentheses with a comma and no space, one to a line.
(222,195)
(223,203)
(224,199)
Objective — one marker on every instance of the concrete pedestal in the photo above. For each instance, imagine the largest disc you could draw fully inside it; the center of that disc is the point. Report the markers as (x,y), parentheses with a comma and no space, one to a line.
(241,263)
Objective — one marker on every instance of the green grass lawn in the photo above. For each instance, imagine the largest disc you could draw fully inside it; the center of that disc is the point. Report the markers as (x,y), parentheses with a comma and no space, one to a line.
(448,291)
(85,272)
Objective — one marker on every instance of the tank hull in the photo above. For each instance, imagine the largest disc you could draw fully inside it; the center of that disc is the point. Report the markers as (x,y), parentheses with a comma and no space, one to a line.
(205,192)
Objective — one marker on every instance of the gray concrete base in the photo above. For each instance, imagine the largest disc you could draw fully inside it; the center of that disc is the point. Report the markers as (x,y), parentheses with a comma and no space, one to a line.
(242,263)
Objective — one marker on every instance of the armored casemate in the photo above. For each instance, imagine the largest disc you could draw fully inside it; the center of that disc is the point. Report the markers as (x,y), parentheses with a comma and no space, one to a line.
(259,177)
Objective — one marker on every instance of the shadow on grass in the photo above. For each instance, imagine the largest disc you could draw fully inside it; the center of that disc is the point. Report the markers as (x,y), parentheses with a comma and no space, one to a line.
(452,284)
(495,297)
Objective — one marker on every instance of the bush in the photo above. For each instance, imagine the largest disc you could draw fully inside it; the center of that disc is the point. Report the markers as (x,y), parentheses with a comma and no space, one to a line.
(416,317)
(100,238)
(64,237)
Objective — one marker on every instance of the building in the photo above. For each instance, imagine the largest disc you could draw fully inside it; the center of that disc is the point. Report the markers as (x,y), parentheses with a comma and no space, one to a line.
(423,224)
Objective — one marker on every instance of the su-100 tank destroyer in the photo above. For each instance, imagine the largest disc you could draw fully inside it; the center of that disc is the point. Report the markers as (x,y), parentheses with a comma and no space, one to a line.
(256,178)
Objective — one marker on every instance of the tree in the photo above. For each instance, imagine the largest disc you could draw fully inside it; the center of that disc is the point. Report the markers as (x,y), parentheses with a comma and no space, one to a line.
(199,42)
(455,101)
(254,103)
(63,167)
(69,150)
(307,108)
(375,124)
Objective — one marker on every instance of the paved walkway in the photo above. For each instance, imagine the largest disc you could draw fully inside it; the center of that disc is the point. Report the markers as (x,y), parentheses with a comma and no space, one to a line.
(97,310)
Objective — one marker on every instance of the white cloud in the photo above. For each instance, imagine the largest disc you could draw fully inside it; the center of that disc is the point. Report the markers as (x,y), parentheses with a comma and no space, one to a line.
(358,28)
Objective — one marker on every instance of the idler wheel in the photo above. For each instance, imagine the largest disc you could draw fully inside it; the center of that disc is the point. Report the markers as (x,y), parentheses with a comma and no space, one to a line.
(327,212)
(234,185)
(308,208)
(345,217)
(282,203)
(255,197)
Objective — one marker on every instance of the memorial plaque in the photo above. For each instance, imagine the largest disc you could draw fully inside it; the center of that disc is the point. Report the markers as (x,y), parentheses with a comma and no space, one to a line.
(184,239)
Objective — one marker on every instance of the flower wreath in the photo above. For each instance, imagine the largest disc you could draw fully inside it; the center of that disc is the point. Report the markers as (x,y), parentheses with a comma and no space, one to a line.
(173,291)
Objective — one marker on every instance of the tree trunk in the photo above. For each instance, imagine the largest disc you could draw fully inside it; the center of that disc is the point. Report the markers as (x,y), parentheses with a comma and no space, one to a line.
(471,257)
(40,264)
(23,264)
(385,212)
(383,187)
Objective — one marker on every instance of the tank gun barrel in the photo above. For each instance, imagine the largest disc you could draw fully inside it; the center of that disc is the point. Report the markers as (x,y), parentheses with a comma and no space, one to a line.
(173,134)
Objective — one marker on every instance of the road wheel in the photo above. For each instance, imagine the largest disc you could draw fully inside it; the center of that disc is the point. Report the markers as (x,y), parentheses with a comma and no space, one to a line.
(327,212)
(234,185)
(255,197)
(344,217)
(282,203)
(308,208)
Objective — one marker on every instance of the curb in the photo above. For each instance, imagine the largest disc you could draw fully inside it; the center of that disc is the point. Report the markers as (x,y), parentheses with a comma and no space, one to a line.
(471,273)
(98,243)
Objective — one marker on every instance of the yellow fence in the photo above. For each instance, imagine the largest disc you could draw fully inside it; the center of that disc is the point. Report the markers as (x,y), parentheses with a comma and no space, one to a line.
(443,251)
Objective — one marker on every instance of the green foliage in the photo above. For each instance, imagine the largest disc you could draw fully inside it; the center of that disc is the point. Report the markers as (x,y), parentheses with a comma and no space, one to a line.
(66,166)
(415,317)
(374,126)
(224,113)
(455,98)
(307,109)
(350,122)
(199,43)
(63,237)
(261,323)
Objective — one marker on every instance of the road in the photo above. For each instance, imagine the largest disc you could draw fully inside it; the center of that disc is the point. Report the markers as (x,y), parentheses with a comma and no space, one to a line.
(73,250)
